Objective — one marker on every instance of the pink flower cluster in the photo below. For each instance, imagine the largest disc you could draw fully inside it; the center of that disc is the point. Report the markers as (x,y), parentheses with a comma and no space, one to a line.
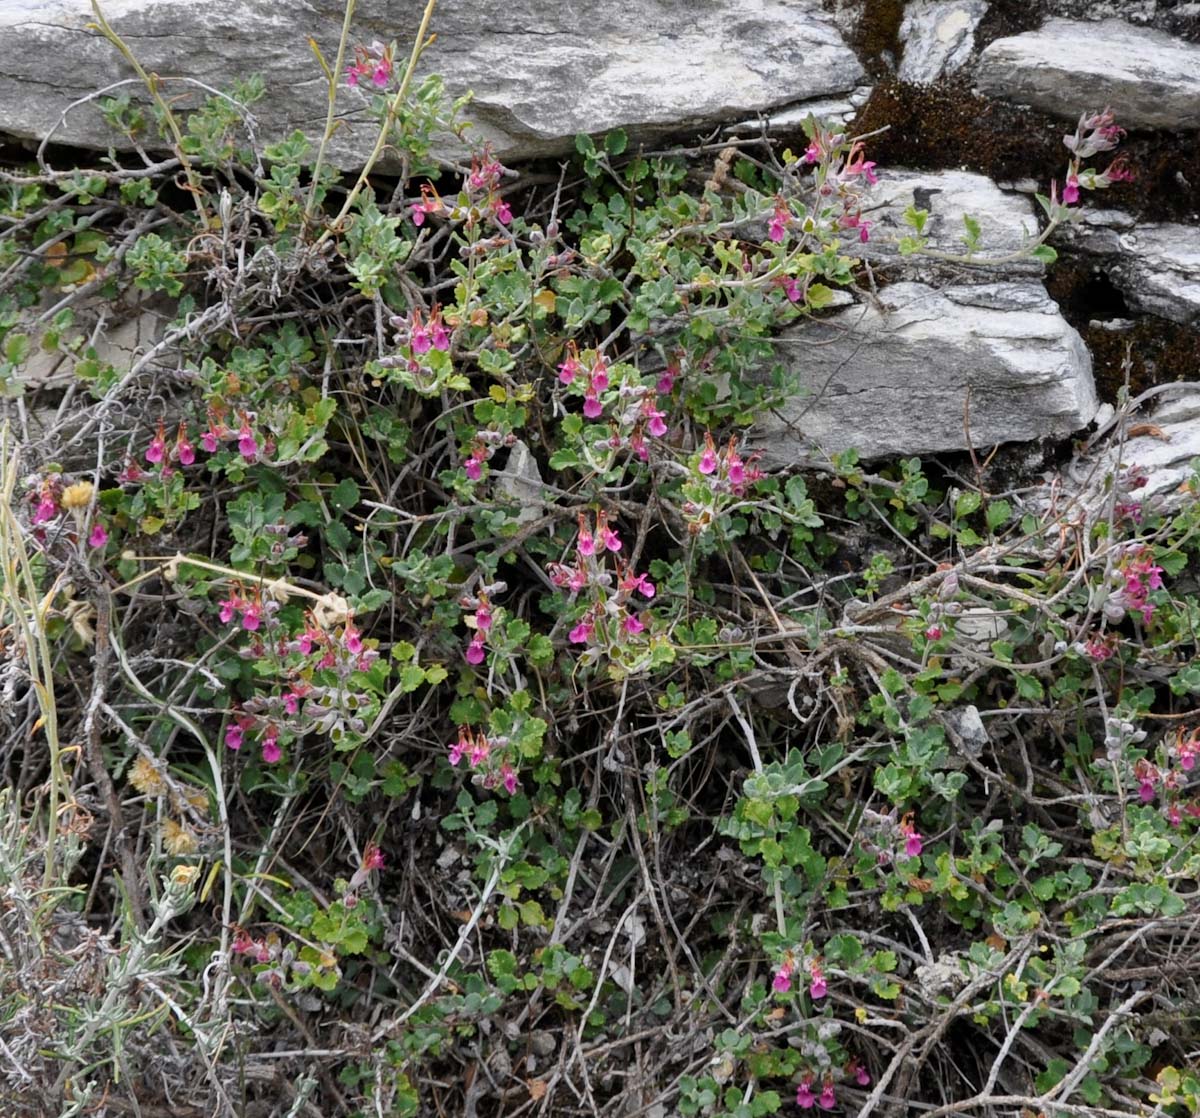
(805,1099)
(596,376)
(424,336)
(726,468)
(883,834)
(248,609)
(484,179)
(50,499)
(327,708)
(608,619)
(782,982)
(486,755)
(372,64)
(481,623)
(1171,779)
(1139,575)
(245,944)
(1094,133)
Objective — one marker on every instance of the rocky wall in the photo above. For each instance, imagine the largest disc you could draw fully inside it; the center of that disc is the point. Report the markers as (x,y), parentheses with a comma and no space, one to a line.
(975,96)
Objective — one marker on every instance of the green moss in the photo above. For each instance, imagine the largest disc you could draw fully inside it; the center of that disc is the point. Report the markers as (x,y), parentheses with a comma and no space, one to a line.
(878,33)
(946,125)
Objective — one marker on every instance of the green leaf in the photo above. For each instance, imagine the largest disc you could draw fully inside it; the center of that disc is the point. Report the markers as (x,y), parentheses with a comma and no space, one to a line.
(584,145)
(1045,254)
(616,141)
(345,494)
(818,296)
(967,503)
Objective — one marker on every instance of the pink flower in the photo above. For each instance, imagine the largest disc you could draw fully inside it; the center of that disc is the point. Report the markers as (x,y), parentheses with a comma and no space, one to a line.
(582,632)
(864,234)
(792,290)
(1146,791)
(913,843)
(502,212)
(252,617)
(819,988)
(1070,192)
(1173,815)
(632,625)
(827,1101)
(655,424)
(353,640)
(777,228)
(460,748)
(372,857)
(229,607)
(383,73)
(592,407)
(509,778)
(599,376)
(804,1095)
(569,368)
(270,746)
(184,451)
(418,337)
(860,1074)
(291,702)
(812,153)
(234,736)
(666,383)
(438,335)
(209,442)
(157,449)
(430,203)
(782,982)
(474,468)
(708,461)
(247,444)
(933,633)
(586,542)
(46,509)
(98,537)
(476,653)
(611,540)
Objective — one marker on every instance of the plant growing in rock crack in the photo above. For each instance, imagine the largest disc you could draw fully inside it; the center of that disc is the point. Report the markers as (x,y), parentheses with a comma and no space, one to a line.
(417,606)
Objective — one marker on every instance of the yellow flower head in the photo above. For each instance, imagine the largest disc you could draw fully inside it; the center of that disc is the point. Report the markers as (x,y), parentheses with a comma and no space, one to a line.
(177,839)
(77,496)
(146,778)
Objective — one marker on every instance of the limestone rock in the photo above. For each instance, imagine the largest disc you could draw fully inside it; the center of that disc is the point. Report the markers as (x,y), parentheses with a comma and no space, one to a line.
(1165,452)
(1006,222)
(1150,78)
(540,73)
(1156,267)
(901,376)
(938,37)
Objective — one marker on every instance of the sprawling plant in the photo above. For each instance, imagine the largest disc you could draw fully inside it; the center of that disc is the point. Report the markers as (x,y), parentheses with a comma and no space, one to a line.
(420,699)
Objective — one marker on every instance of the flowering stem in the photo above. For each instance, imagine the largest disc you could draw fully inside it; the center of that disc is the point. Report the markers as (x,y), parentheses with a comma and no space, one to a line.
(19,591)
(151,83)
(332,97)
(419,44)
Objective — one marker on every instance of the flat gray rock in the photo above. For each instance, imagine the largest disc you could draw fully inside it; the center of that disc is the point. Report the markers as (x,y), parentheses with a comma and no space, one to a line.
(900,378)
(540,72)
(1006,221)
(1150,78)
